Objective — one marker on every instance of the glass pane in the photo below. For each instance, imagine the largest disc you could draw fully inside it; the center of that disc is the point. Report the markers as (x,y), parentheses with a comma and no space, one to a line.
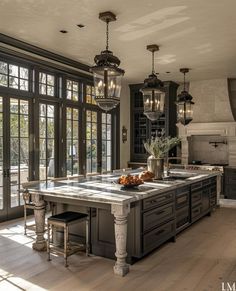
(42,169)
(3,80)
(13,105)
(14,153)
(42,146)
(50,148)
(108,163)
(13,82)
(1,109)
(24,85)
(50,111)
(14,196)
(94,131)
(75,166)
(42,89)
(1,124)
(69,149)
(14,125)
(103,117)
(94,116)
(75,114)
(23,107)
(1,192)
(1,150)
(109,118)
(109,132)
(104,131)
(42,127)
(88,115)
(50,90)
(75,130)
(3,68)
(50,128)
(69,167)
(75,86)
(50,80)
(94,165)
(88,131)
(13,70)
(104,144)
(69,85)
(24,73)
(51,166)
(68,95)
(68,128)
(108,148)
(68,113)
(75,96)
(43,110)
(24,126)
(42,78)
(24,151)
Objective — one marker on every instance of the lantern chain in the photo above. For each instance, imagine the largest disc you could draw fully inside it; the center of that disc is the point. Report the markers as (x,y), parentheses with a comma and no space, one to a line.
(153,71)
(107,35)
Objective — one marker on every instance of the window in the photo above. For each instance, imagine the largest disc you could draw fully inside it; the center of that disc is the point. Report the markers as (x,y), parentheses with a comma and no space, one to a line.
(106,142)
(19,143)
(72,90)
(46,141)
(90,95)
(91,141)
(46,84)
(72,141)
(14,77)
(1,153)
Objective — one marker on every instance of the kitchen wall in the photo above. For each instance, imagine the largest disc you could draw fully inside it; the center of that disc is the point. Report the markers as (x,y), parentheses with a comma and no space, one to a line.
(211,101)
(200,149)
(125,121)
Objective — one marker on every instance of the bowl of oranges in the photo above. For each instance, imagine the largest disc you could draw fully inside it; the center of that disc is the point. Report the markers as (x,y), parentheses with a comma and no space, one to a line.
(130,181)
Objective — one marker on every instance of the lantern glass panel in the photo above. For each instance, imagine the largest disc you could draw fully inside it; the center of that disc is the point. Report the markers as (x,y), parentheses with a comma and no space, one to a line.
(189,110)
(153,100)
(180,111)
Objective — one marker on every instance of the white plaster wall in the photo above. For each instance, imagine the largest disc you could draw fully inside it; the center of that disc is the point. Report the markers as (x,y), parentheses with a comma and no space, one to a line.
(211,101)
(125,121)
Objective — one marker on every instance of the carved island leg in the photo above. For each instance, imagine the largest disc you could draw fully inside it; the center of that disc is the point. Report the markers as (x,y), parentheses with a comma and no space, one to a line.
(39,214)
(120,213)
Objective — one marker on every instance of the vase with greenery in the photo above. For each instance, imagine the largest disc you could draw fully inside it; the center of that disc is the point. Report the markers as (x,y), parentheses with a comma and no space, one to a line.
(158,147)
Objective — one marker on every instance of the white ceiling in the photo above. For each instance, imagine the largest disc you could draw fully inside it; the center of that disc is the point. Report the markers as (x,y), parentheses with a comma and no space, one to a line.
(199,34)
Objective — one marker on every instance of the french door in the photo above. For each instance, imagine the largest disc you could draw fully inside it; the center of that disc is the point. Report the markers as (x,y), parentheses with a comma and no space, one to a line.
(14,154)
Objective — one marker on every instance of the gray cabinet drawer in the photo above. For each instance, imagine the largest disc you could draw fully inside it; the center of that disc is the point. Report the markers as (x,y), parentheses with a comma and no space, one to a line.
(206,182)
(196,186)
(230,180)
(182,200)
(213,180)
(158,200)
(196,197)
(159,235)
(157,216)
(182,190)
(182,217)
(196,212)
(230,172)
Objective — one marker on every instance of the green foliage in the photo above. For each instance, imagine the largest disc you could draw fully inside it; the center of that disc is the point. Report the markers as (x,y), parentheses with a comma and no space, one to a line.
(159,146)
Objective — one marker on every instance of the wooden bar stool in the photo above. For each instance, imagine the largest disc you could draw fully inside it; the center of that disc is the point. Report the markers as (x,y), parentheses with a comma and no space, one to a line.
(64,220)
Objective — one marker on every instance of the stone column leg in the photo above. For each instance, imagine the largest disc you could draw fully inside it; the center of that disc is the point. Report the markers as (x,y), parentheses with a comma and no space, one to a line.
(120,213)
(39,214)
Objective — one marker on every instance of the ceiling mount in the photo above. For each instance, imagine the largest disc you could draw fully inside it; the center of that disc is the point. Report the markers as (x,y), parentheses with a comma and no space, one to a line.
(107,16)
(184,70)
(153,48)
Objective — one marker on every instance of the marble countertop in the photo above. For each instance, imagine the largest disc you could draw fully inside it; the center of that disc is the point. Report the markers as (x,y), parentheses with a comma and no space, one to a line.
(104,188)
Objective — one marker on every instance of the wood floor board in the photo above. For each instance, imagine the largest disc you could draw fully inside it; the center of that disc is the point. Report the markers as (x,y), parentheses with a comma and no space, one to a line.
(202,258)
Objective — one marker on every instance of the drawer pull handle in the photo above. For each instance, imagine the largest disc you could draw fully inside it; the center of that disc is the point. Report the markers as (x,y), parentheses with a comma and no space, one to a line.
(160,212)
(153,201)
(196,197)
(196,211)
(159,232)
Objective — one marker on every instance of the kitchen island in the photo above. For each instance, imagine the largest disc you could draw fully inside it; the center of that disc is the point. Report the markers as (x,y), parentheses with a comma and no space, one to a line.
(145,217)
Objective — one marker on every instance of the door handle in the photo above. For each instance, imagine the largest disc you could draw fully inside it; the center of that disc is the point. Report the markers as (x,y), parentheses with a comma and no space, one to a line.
(8,173)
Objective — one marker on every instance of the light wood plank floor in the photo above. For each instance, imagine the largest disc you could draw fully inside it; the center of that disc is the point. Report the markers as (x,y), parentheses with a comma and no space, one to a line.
(202,258)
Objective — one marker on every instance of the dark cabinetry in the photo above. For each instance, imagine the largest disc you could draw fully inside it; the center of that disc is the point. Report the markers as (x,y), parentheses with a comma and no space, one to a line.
(142,128)
(154,220)
(230,182)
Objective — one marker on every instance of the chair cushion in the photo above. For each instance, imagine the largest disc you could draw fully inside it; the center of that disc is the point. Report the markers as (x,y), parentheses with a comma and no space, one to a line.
(67,216)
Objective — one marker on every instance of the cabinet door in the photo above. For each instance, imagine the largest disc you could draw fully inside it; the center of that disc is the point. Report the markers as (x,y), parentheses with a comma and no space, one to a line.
(205,199)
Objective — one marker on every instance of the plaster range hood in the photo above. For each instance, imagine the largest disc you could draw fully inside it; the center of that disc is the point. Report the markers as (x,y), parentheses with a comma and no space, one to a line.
(208,131)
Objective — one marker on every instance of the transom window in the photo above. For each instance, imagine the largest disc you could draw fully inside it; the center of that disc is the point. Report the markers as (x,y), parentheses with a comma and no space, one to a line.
(106,142)
(46,84)
(90,95)
(13,76)
(72,90)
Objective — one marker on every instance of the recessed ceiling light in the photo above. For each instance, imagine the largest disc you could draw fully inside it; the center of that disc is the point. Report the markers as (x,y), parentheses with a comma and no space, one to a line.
(63,31)
(167,72)
(80,25)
